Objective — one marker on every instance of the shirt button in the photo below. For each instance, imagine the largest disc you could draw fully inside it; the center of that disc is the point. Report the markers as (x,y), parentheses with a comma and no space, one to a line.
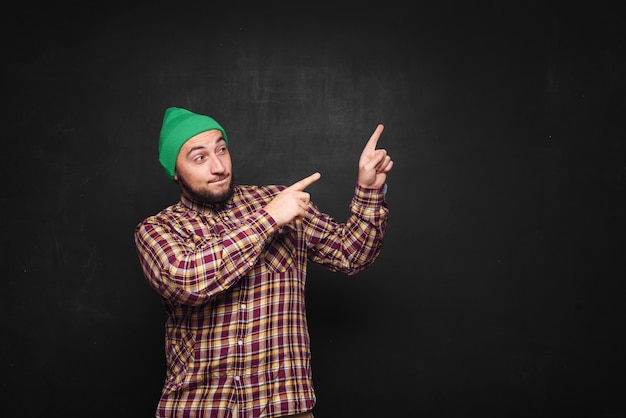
(226,217)
(240,342)
(243,306)
(237,378)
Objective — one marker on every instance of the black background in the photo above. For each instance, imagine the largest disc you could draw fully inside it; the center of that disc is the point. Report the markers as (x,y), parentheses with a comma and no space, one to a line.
(500,288)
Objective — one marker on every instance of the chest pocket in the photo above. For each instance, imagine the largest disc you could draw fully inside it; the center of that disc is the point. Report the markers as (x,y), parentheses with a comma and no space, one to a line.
(280,254)
(199,231)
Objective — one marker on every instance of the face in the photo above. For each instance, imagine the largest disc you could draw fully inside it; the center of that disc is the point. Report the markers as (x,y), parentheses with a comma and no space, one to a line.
(204,168)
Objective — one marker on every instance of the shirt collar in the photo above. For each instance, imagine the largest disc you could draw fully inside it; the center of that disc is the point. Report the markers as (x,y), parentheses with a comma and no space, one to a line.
(204,207)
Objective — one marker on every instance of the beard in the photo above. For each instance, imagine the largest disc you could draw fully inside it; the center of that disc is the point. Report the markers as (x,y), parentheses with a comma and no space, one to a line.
(215,201)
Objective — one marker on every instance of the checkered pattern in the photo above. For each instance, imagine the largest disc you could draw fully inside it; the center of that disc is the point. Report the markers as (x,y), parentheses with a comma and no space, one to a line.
(233,285)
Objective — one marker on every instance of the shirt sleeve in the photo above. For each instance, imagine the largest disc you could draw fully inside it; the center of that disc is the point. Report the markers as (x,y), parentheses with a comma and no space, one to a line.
(189,269)
(352,246)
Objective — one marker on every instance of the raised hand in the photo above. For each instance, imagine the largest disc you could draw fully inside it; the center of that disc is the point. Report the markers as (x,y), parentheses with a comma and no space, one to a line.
(374,164)
(292,202)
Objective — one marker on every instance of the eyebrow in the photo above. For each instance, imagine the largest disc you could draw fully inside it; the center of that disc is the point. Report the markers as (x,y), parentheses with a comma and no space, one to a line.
(201,147)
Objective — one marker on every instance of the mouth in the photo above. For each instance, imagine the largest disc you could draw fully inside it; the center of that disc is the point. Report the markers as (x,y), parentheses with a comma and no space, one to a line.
(220,181)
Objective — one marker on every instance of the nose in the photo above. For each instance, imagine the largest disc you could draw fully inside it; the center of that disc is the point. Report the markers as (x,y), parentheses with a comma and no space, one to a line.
(216,165)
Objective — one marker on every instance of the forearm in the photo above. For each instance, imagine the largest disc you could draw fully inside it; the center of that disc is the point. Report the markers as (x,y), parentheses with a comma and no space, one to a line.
(355,245)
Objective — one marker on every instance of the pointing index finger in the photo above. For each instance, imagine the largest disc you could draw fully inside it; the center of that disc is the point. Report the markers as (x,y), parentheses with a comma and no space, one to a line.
(305,182)
(371,144)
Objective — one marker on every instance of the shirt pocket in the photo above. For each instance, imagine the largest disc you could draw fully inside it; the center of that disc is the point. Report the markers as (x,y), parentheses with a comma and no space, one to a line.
(280,254)
(179,355)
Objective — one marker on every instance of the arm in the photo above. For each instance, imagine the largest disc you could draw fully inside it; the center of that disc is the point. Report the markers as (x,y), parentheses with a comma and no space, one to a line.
(353,246)
(190,269)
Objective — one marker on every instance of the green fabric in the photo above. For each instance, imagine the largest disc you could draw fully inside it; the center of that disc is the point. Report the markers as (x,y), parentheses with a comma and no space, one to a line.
(179,125)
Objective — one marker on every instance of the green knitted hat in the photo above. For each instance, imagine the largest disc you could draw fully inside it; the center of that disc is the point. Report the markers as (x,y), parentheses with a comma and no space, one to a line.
(179,125)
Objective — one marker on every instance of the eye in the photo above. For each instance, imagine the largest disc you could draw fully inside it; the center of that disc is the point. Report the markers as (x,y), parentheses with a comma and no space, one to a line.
(222,149)
(198,158)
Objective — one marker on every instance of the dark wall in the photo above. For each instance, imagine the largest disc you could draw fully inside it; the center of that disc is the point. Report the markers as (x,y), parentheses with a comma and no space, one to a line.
(500,289)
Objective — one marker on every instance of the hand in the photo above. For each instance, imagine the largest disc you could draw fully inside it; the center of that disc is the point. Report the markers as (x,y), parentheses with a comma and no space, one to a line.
(374,164)
(292,202)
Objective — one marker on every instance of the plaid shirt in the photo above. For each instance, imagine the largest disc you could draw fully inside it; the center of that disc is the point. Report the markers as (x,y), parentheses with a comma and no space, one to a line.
(233,285)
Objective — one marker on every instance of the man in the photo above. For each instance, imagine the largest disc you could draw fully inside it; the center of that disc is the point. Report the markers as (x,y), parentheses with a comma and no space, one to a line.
(229,262)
